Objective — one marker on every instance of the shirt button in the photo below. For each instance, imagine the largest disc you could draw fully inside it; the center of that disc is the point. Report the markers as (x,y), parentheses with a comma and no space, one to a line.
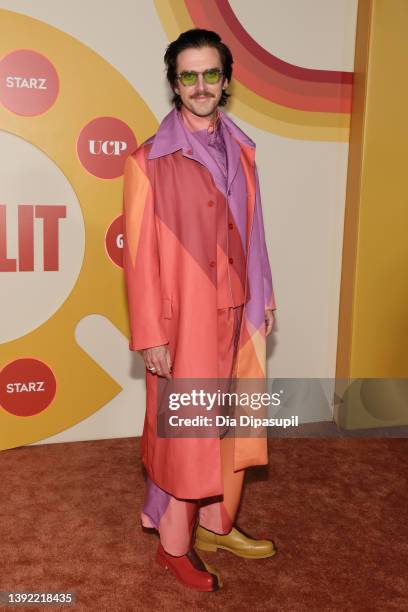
(210,203)
(230,259)
(212,264)
(231,225)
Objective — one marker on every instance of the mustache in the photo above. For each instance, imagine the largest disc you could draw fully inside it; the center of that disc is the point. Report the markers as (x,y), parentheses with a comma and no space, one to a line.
(200,94)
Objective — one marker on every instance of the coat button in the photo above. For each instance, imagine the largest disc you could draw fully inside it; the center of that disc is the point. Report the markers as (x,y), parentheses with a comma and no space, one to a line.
(229,191)
(231,225)
(212,264)
(190,152)
(210,203)
(230,259)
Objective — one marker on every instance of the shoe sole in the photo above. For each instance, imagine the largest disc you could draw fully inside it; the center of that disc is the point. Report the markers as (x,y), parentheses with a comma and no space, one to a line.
(161,561)
(215,547)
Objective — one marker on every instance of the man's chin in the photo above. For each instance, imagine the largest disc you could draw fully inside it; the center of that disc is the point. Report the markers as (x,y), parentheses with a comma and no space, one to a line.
(203,110)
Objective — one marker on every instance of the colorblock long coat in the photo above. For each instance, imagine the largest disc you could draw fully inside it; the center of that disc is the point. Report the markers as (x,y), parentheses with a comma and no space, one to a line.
(169,244)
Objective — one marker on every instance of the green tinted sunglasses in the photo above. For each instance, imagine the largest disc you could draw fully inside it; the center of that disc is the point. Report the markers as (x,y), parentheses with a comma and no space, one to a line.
(210,76)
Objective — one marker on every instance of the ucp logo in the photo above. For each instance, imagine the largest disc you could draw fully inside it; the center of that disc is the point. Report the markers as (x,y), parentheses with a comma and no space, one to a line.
(103,146)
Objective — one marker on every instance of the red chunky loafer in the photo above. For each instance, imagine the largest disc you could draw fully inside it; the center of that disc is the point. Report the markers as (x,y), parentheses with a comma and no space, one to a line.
(190,570)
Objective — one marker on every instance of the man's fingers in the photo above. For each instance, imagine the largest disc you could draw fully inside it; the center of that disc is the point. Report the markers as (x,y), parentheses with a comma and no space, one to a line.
(157,360)
(269,319)
(163,369)
(149,360)
(168,358)
(156,363)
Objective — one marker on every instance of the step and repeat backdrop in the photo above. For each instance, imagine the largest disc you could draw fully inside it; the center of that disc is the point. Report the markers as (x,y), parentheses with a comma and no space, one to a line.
(76,98)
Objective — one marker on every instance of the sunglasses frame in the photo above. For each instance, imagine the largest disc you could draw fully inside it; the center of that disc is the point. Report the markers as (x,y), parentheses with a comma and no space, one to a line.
(203,73)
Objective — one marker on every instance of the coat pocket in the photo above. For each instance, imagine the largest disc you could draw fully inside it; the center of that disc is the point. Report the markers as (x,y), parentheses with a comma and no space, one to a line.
(167,310)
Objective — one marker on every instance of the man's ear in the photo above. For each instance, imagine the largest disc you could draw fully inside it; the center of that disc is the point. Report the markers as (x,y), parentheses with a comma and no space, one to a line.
(176,91)
(225,84)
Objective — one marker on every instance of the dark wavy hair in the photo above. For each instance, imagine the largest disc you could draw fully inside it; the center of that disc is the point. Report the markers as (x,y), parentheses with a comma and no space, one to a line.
(194,39)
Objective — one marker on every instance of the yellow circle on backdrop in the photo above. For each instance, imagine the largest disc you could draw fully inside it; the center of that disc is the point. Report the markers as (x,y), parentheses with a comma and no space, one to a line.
(88,88)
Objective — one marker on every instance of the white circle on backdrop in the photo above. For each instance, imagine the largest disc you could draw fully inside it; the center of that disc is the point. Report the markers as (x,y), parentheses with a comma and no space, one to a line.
(29,298)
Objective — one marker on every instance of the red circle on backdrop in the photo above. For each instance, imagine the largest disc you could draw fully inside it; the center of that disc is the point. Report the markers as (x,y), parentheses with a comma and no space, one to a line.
(29,83)
(114,241)
(27,386)
(103,146)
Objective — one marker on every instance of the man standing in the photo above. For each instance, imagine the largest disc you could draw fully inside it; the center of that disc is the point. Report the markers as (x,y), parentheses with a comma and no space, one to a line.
(200,301)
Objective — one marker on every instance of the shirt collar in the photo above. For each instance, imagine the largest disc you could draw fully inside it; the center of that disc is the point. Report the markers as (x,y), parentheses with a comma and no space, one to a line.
(215,124)
(171,135)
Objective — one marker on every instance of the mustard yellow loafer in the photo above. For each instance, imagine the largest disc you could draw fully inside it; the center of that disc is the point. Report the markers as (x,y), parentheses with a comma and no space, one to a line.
(236,542)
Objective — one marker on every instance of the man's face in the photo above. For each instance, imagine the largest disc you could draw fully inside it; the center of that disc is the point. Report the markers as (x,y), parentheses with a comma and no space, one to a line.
(202,98)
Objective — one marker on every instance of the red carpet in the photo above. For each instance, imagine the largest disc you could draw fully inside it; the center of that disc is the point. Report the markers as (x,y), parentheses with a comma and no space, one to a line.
(337,510)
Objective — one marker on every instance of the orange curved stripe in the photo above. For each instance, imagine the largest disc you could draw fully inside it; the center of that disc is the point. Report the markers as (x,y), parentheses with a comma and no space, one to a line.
(306,99)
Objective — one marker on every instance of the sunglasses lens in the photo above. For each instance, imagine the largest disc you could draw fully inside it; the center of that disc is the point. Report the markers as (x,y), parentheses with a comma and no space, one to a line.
(188,78)
(212,76)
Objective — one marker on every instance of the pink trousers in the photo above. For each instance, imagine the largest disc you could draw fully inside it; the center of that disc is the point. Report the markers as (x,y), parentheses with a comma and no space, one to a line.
(174,518)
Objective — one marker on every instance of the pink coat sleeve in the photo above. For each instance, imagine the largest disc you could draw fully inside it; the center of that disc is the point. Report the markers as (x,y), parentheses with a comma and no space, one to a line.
(266,268)
(141,257)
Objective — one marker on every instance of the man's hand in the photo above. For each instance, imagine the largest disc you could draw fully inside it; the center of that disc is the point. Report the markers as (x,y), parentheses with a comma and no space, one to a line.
(269,319)
(157,360)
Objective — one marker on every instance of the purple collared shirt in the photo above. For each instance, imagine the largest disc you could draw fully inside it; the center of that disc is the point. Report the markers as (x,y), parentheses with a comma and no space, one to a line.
(214,143)
(211,149)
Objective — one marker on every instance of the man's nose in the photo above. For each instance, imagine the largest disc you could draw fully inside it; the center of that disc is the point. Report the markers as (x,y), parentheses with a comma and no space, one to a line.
(200,80)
